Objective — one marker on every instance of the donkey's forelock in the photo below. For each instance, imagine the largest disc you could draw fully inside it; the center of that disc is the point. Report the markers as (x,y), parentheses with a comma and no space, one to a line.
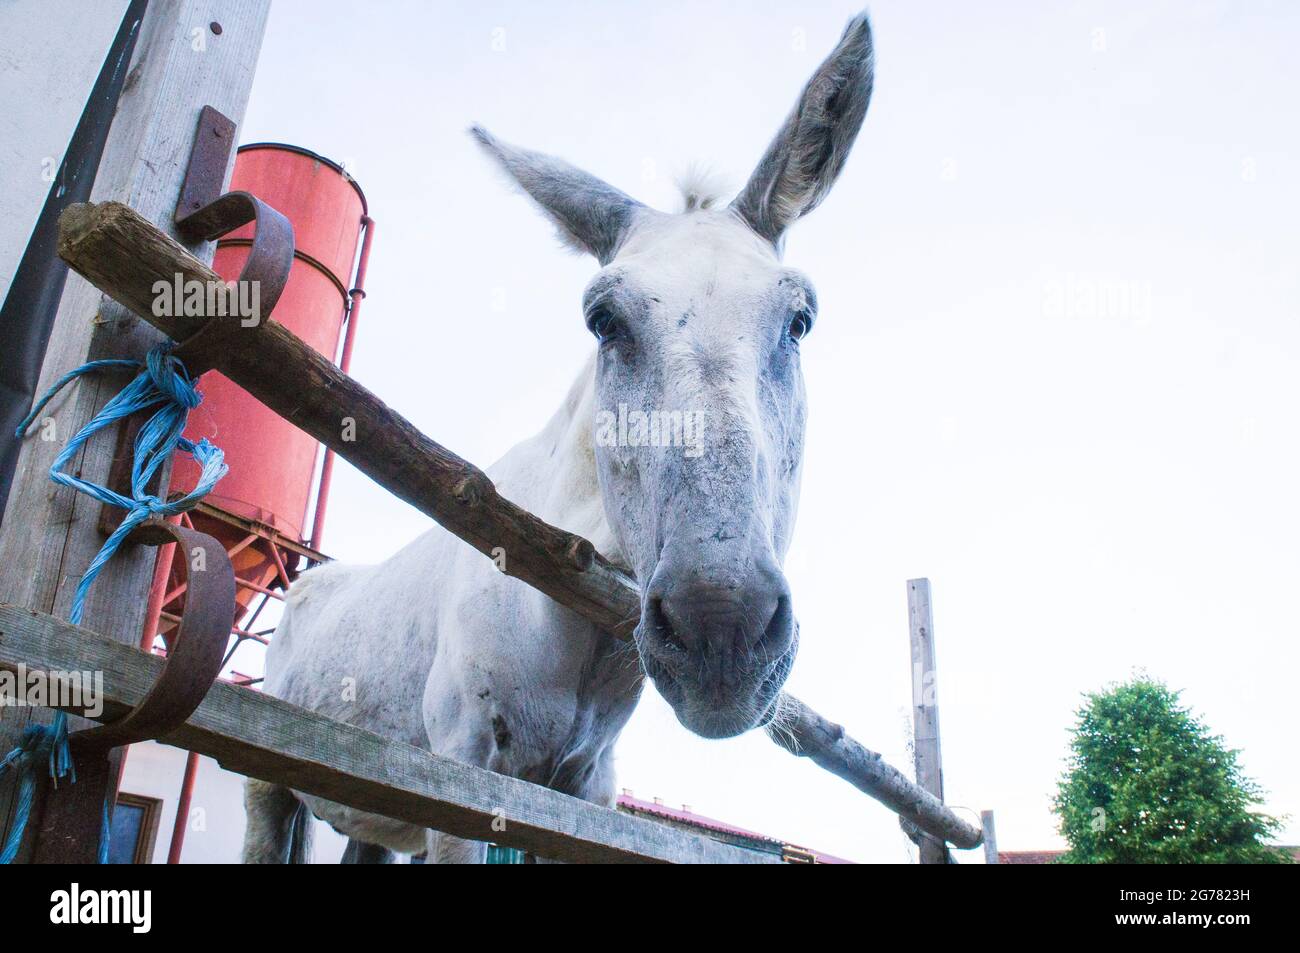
(701,187)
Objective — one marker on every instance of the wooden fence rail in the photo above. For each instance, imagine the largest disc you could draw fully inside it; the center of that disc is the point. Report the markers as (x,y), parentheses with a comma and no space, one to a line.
(128,258)
(256,735)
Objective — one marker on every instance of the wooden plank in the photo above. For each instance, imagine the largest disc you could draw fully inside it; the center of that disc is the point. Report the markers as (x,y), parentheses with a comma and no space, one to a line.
(990,837)
(178,66)
(262,737)
(122,254)
(925,706)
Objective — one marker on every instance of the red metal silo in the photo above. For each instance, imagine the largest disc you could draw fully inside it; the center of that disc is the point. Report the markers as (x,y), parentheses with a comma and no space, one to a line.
(260,507)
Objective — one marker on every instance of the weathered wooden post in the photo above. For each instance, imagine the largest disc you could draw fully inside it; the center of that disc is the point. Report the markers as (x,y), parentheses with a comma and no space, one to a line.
(187,54)
(990,837)
(925,707)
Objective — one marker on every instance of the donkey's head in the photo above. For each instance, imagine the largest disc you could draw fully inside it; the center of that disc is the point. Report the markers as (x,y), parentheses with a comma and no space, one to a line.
(700,400)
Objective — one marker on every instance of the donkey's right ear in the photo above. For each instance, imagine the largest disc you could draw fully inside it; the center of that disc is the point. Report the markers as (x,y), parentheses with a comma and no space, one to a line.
(591,214)
(805,158)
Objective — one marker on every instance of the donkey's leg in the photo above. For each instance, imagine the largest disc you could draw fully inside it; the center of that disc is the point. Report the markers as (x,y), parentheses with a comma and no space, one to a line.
(279,826)
(593,781)
(359,852)
(445,849)
(468,741)
(598,784)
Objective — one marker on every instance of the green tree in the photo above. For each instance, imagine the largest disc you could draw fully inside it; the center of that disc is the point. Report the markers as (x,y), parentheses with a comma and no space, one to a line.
(1147,783)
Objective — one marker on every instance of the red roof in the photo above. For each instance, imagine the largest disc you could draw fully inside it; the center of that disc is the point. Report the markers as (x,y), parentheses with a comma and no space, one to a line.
(683,816)
(1028,856)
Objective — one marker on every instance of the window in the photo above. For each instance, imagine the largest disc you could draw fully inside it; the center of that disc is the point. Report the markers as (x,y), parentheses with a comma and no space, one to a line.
(134,829)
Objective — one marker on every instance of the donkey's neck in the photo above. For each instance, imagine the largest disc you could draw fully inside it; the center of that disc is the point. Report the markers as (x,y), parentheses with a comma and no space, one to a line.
(553,474)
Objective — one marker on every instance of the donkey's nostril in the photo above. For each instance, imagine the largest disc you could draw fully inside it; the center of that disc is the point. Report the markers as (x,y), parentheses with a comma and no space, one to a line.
(680,626)
(661,625)
(780,629)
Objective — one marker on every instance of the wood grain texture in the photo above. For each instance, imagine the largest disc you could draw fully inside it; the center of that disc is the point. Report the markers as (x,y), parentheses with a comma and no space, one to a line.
(262,737)
(51,533)
(122,254)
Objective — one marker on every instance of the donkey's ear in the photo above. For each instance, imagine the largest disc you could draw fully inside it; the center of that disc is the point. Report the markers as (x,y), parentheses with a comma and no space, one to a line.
(591,215)
(805,158)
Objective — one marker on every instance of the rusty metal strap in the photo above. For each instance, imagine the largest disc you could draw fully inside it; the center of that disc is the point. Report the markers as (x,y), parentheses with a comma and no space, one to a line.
(266,268)
(195,651)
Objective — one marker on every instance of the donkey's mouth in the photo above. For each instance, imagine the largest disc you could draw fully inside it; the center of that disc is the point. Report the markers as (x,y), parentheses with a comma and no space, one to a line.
(711,708)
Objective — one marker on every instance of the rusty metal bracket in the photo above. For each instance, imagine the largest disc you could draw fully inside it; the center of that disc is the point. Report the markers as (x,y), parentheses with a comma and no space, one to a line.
(204,214)
(214,139)
(194,652)
(71,828)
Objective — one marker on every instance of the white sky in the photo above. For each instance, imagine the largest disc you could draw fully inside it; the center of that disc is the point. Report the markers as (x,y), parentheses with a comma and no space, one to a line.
(1090,489)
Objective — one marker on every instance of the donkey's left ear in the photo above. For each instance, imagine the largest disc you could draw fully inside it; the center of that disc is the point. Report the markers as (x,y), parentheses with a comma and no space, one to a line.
(805,158)
(591,214)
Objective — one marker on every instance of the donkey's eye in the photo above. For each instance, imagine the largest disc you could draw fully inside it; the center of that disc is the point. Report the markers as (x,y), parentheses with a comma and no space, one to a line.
(602,322)
(800,324)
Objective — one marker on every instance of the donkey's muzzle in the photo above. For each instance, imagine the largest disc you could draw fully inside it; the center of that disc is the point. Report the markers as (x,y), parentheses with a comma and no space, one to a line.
(717,643)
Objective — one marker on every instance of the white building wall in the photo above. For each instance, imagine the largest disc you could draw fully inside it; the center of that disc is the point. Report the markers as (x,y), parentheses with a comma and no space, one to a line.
(215,833)
(53,51)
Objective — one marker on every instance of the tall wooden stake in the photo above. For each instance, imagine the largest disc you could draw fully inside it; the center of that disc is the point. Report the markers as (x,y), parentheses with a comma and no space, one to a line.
(990,837)
(925,706)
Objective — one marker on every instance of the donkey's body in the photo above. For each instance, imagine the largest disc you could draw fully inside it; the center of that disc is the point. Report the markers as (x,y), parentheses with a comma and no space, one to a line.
(462,660)
(695,315)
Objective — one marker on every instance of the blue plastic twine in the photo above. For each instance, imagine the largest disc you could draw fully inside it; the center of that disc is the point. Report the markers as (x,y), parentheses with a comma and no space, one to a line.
(163,381)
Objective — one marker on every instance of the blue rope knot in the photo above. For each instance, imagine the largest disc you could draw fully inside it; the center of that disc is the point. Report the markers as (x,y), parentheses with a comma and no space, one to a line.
(47,743)
(162,380)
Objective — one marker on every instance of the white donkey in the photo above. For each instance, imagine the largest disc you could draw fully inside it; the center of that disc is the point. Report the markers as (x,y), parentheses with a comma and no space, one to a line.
(692,313)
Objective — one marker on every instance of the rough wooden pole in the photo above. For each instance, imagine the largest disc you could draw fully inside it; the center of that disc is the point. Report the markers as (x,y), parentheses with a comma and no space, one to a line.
(805,733)
(180,64)
(990,837)
(925,706)
(124,255)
